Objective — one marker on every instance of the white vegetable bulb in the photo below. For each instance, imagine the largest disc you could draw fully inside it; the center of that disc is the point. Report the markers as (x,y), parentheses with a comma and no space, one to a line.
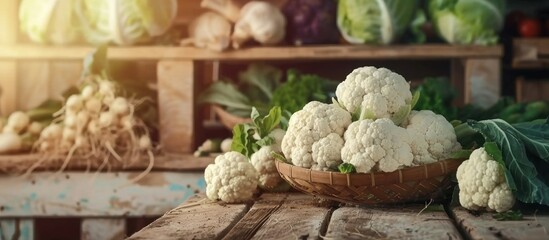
(260,21)
(10,142)
(18,121)
(88,92)
(211,31)
(120,106)
(74,102)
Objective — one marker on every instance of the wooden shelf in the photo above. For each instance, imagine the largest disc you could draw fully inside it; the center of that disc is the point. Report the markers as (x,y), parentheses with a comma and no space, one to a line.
(166,162)
(430,51)
(530,53)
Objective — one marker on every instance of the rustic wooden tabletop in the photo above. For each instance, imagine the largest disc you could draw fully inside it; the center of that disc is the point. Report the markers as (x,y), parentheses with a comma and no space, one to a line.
(300,216)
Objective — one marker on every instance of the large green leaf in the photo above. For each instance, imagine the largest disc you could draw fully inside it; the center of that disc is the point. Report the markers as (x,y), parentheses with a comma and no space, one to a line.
(526,182)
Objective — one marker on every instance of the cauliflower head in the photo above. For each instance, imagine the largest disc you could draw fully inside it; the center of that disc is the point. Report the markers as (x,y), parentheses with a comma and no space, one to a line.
(304,143)
(376,145)
(232,178)
(378,90)
(482,184)
(264,163)
(433,137)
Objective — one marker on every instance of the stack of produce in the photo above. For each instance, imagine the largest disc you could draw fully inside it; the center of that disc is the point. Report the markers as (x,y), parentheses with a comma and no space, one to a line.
(99,22)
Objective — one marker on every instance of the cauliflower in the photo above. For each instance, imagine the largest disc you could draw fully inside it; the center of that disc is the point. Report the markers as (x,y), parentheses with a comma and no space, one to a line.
(315,130)
(379,91)
(376,145)
(482,184)
(264,163)
(433,137)
(232,178)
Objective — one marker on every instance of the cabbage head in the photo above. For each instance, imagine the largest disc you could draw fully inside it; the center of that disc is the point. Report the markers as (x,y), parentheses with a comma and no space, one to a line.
(468,21)
(49,21)
(374,21)
(125,22)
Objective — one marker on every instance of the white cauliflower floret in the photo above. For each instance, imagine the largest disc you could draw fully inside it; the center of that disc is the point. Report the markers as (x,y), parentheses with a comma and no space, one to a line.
(377,145)
(308,127)
(264,163)
(377,89)
(433,137)
(232,178)
(482,184)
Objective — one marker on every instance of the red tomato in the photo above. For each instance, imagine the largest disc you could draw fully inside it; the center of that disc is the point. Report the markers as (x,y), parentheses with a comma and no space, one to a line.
(529,28)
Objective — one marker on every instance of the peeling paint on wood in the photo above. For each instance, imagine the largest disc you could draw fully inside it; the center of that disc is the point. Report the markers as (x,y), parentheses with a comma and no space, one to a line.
(91,194)
(21,229)
(103,229)
(534,226)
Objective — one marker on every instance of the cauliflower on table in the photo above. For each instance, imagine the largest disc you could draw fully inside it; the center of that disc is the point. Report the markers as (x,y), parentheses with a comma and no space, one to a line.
(232,178)
(383,93)
(264,163)
(314,136)
(377,145)
(433,137)
(482,184)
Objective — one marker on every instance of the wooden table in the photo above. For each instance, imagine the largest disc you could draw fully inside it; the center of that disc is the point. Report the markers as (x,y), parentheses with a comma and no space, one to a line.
(300,216)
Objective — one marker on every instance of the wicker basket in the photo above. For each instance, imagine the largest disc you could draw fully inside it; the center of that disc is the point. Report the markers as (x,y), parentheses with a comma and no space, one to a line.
(406,185)
(228,120)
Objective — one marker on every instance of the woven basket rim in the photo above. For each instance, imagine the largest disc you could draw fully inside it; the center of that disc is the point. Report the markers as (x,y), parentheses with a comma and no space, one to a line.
(228,119)
(417,173)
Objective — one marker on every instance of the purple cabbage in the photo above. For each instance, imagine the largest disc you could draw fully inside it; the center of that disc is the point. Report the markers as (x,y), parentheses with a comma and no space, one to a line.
(311,21)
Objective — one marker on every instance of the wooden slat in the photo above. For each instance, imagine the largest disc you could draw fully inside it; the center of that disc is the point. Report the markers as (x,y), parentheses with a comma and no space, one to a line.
(457,79)
(8,69)
(176,100)
(399,222)
(482,81)
(33,83)
(103,229)
(195,219)
(13,164)
(78,194)
(534,226)
(299,217)
(530,53)
(427,51)
(257,216)
(19,229)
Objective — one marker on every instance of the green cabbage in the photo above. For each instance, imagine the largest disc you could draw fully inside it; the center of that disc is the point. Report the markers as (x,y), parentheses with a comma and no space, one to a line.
(125,22)
(49,21)
(374,21)
(468,21)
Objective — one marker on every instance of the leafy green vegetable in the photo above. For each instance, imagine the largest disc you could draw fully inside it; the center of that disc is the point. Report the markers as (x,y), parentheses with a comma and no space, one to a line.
(346,168)
(461,154)
(244,140)
(468,21)
(437,95)
(523,146)
(374,21)
(299,89)
(261,80)
(508,216)
(226,94)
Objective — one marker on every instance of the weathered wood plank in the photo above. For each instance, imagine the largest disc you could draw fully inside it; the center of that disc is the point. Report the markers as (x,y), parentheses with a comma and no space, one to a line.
(299,217)
(103,229)
(32,83)
(176,100)
(194,219)
(484,226)
(14,164)
(482,81)
(398,222)
(9,28)
(17,229)
(424,51)
(103,194)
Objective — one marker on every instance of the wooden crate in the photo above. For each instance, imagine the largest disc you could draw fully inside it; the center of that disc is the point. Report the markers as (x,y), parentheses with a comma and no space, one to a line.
(531,90)
(530,53)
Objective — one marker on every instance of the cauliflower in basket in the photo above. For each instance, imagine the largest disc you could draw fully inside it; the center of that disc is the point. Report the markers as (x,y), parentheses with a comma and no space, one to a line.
(482,184)
(232,178)
(376,145)
(433,137)
(314,136)
(378,91)
(264,162)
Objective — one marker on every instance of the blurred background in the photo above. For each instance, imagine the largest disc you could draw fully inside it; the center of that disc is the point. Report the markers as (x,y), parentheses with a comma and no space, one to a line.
(191,70)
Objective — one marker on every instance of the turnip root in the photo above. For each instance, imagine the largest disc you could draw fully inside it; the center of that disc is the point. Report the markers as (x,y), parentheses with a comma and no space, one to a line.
(88,92)
(17,122)
(35,128)
(10,142)
(260,21)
